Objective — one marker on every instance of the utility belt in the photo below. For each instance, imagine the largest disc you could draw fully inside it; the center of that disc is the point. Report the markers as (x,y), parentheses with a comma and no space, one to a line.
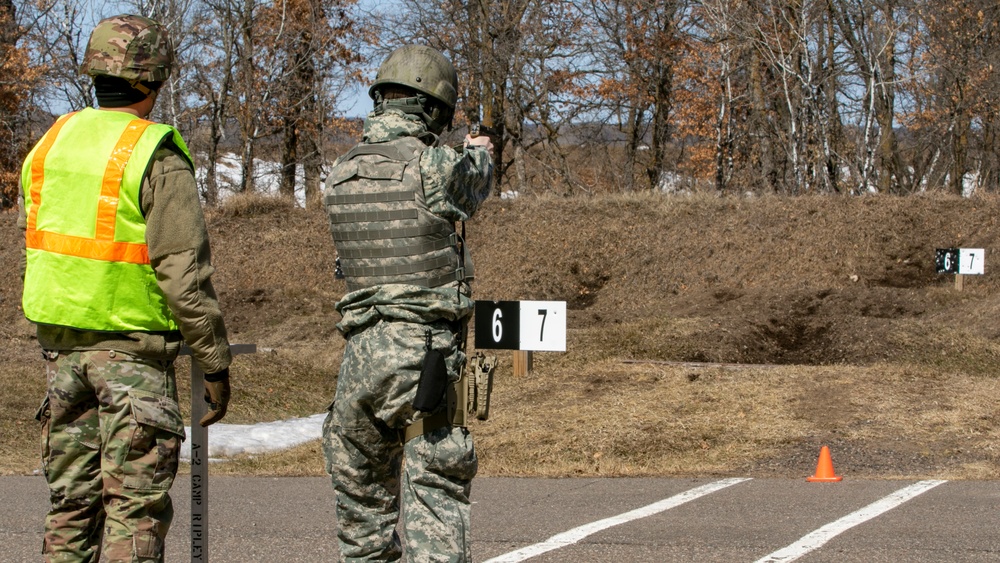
(465,396)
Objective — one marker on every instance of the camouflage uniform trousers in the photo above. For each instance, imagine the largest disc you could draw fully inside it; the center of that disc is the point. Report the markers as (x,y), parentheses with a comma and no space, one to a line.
(372,470)
(111,437)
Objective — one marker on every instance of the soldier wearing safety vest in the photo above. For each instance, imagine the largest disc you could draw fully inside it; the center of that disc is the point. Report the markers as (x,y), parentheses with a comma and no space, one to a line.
(116,277)
(393,202)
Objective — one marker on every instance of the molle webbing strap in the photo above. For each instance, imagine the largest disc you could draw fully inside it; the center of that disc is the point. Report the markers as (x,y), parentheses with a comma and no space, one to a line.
(379,234)
(430,281)
(395,251)
(374,216)
(368,197)
(399,270)
(383,229)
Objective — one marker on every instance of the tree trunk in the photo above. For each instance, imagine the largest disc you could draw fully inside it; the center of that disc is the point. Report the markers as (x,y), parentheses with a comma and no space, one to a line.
(9,107)
(632,144)
(760,143)
(960,151)
(289,145)
(886,104)
(834,130)
(211,176)
(247,164)
(988,167)
(312,167)
(661,125)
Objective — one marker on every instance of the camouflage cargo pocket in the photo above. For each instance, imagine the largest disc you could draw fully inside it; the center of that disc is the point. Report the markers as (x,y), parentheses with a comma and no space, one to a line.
(157,432)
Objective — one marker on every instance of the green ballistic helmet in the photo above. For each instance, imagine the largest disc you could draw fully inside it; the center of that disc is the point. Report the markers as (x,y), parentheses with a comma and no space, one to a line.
(130,47)
(421,68)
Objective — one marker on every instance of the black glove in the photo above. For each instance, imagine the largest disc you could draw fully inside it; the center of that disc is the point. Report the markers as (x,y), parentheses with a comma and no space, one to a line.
(217,393)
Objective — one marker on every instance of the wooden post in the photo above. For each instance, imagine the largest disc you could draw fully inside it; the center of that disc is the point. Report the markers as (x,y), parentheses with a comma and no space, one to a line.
(959,282)
(522,363)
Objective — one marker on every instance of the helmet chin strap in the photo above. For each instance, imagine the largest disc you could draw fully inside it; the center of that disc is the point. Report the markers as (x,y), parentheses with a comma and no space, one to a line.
(152,102)
(149,92)
(415,105)
(140,87)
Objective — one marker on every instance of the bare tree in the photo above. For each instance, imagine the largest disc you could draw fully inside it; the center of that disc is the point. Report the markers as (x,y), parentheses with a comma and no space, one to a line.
(518,62)
(870,32)
(957,90)
(789,96)
(57,39)
(718,25)
(316,41)
(637,56)
(212,65)
(17,79)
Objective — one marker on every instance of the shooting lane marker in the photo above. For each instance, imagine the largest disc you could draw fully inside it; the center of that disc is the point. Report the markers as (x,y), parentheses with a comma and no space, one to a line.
(573,536)
(815,540)
(199,456)
(961,262)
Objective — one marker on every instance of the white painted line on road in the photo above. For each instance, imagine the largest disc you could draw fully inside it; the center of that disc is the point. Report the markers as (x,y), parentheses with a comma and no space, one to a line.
(570,537)
(816,539)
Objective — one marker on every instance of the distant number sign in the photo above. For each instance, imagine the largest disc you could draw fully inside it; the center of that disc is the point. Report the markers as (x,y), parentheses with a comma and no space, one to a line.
(960,260)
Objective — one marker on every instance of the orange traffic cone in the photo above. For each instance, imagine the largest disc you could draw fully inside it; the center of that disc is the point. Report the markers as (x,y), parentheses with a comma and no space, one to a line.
(824,469)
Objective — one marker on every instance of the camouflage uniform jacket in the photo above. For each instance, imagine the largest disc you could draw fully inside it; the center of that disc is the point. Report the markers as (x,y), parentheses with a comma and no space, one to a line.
(455,184)
(179,251)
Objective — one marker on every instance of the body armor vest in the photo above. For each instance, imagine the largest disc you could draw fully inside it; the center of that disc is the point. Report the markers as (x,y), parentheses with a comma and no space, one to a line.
(381,225)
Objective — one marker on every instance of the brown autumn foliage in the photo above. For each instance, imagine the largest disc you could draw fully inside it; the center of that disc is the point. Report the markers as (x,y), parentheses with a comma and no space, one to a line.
(304,39)
(958,94)
(18,77)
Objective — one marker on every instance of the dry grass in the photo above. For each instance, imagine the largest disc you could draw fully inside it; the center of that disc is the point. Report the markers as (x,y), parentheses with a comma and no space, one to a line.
(624,419)
(20,444)
(846,335)
(301,461)
(250,204)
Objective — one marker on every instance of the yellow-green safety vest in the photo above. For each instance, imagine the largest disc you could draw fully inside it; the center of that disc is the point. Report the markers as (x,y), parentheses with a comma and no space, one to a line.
(88,264)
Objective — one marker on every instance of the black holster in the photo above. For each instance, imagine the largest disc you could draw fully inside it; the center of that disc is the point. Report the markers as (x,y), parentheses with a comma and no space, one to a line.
(433,380)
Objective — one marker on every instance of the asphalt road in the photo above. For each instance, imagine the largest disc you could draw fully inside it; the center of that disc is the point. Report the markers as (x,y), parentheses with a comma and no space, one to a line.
(599,520)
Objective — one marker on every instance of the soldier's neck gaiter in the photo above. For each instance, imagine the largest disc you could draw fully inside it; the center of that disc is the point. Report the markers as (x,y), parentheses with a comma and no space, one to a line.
(115,92)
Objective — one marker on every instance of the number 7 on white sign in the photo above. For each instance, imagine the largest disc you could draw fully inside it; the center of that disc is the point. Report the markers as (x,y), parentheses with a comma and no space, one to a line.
(543,326)
(971,260)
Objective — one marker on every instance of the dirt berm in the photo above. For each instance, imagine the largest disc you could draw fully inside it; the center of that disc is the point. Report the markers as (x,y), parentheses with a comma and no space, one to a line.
(706,335)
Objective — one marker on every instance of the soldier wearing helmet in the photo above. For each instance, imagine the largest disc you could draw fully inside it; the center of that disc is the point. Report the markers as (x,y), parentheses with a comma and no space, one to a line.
(117,276)
(392,438)
(129,58)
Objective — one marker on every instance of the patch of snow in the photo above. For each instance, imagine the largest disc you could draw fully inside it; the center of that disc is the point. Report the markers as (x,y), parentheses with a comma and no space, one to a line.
(229,440)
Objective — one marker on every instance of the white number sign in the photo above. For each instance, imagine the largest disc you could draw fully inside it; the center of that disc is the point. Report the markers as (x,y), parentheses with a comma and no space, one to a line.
(971,260)
(543,326)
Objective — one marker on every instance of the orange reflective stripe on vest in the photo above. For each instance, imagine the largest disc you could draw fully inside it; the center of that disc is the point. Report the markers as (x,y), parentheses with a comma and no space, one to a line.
(38,169)
(69,245)
(103,246)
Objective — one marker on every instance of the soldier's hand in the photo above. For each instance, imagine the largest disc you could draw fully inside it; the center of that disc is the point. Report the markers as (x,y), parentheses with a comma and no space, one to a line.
(480,141)
(217,393)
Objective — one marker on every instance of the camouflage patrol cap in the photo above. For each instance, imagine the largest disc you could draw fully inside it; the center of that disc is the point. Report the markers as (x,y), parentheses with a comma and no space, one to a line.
(130,47)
